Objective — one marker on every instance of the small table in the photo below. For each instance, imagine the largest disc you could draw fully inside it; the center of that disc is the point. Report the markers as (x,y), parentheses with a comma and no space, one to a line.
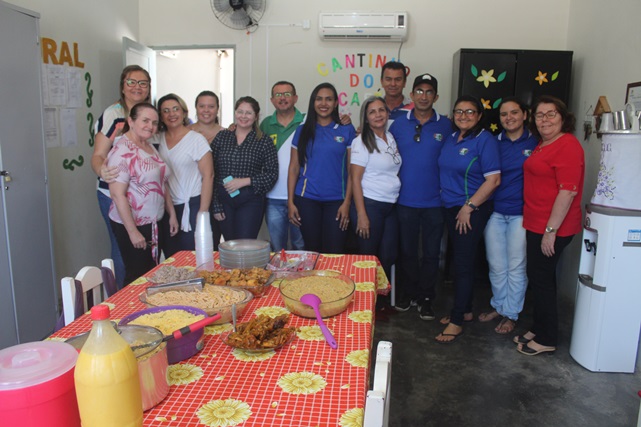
(305,383)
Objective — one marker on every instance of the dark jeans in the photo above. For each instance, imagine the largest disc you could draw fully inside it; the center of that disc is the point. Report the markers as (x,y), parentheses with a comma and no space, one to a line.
(321,232)
(383,232)
(541,274)
(243,214)
(418,277)
(137,261)
(464,250)
(184,240)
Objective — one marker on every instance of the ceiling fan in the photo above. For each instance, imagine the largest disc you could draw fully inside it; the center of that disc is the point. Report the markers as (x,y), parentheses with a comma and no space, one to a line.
(238,14)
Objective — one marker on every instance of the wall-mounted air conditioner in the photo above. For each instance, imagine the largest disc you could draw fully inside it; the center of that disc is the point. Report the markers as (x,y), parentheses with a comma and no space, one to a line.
(366,26)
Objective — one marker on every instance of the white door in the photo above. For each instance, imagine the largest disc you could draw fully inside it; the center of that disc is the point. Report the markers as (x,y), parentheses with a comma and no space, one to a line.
(28,302)
(135,53)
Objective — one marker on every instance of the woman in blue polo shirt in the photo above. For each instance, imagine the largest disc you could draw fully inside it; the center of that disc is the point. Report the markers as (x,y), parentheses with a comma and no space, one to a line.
(318,184)
(504,233)
(470,171)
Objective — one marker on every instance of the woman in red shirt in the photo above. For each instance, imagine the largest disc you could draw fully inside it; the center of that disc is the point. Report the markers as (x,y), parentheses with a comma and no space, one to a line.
(553,185)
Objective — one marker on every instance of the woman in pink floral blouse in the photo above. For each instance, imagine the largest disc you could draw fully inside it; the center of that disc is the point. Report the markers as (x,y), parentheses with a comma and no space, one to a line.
(139,193)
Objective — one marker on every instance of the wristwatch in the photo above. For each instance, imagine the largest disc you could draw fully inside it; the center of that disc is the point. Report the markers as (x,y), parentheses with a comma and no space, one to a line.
(549,229)
(472,205)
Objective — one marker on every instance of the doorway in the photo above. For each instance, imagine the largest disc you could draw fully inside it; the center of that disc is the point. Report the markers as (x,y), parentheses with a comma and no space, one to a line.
(188,71)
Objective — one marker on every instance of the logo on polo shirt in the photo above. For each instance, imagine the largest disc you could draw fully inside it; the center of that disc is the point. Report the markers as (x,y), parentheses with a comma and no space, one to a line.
(339,139)
(527,153)
(438,136)
(463,151)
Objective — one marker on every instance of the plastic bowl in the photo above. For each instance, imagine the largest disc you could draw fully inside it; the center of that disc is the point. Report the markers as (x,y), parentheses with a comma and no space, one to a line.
(224,311)
(181,348)
(291,292)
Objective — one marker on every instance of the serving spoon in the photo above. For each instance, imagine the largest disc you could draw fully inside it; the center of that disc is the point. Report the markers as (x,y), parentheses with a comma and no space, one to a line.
(179,333)
(314,302)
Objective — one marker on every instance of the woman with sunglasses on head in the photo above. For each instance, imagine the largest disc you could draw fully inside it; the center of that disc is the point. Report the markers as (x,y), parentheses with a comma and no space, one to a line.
(191,182)
(246,165)
(140,193)
(470,172)
(375,163)
(319,189)
(135,85)
(504,233)
(553,187)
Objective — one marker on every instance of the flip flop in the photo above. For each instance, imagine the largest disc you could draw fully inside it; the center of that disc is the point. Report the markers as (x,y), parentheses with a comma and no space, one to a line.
(504,323)
(446,319)
(489,316)
(447,335)
(524,349)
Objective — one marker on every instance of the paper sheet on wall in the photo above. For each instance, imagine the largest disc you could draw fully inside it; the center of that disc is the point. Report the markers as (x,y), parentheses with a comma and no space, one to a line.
(68,132)
(51,128)
(56,85)
(44,77)
(74,85)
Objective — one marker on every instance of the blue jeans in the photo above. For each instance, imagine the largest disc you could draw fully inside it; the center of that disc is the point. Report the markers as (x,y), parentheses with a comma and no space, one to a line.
(183,240)
(280,229)
(418,278)
(383,232)
(505,248)
(243,214)
(104,202)
(321,232)
(464,249)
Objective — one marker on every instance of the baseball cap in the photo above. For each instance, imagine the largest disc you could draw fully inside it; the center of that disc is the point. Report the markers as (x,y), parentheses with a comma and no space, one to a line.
(426,78)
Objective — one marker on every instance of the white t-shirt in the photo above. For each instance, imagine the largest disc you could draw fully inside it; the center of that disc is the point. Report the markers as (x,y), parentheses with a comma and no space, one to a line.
(279,190)
(380,180)
(185,180)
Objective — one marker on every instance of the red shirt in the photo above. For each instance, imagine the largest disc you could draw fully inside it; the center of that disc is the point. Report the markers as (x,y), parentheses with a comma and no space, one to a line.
(558,166)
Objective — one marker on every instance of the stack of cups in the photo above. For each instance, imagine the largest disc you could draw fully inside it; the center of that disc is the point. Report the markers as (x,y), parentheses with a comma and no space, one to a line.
(204,242)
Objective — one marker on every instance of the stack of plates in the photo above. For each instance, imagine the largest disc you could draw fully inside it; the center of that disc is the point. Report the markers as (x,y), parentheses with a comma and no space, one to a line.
(244,253)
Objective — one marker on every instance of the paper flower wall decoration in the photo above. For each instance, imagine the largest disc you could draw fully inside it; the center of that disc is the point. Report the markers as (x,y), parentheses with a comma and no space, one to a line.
(487,77)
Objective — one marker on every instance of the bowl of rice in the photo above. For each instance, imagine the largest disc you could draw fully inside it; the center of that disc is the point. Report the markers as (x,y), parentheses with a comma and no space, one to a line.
(335,290)
(167,320)
(211,299)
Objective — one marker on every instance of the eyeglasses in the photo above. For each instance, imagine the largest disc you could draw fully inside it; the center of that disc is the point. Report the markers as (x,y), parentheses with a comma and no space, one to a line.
(175,109)
(141,83)
(417,135)
(392,151)
(281,94)
(420,92)
(549,114)
(468,113)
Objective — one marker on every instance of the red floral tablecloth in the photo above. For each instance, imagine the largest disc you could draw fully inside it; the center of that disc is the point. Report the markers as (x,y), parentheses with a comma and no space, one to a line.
(305,383)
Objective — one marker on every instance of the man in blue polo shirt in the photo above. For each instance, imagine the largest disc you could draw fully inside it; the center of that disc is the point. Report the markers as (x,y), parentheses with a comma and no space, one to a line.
(420,134)
(393,80)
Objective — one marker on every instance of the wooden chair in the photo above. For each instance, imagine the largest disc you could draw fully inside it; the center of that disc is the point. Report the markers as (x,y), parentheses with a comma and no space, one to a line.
(92,283)
(378,398)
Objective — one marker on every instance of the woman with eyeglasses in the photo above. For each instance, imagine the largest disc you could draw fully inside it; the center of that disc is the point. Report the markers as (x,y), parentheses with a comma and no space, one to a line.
(504,233)
(319,190)
(135,86)
(191,182)
(140,193)
(246,165)
(553,186)
(470,172)
(375,163)
(208,125)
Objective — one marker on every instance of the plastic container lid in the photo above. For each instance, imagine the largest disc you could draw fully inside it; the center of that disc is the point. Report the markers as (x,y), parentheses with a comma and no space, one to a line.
(100,312)
(33,363)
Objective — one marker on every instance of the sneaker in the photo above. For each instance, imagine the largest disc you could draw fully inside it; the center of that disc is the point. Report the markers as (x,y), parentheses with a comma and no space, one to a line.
(425,311)
(403,304)
(413,303)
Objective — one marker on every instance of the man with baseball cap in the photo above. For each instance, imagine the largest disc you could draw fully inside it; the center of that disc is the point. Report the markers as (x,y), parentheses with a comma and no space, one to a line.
(420,134)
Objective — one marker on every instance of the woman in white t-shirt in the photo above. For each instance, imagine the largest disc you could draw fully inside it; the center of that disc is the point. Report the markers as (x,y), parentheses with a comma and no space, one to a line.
(188,155)
(375,163)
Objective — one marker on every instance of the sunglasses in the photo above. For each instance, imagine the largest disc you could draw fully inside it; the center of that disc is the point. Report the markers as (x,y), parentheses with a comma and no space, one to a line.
(417,135)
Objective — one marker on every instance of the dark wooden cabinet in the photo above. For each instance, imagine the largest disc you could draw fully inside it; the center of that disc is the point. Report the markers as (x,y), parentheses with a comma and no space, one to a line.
(491,75)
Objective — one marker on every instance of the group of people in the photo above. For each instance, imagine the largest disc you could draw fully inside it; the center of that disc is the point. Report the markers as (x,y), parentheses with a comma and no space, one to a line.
(397,183)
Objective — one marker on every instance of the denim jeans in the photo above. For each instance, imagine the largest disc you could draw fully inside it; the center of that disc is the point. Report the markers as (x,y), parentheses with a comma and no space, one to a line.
(280,229)
(321,232)
(243,214)
(464,250)
(104,203)
(383,232)
(418,277)
(505,248)
(183,240)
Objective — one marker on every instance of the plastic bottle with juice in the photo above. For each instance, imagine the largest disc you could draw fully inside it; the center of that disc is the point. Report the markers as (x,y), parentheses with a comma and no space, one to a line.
(106,377)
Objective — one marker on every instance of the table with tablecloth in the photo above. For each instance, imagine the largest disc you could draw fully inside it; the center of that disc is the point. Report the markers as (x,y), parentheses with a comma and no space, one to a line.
(305,383)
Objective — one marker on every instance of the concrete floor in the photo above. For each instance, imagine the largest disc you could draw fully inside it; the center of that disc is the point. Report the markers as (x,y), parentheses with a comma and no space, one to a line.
(481,380)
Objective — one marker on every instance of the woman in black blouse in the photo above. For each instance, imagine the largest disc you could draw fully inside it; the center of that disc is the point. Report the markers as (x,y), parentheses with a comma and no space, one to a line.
(246,168)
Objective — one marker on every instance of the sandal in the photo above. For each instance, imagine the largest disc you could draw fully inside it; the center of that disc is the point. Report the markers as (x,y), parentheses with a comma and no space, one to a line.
(505,326)
(529,351)
(521,339)
(467,317)
(490,315)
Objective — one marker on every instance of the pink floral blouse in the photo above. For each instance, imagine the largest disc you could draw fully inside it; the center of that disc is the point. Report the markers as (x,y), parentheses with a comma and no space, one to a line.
(146,175)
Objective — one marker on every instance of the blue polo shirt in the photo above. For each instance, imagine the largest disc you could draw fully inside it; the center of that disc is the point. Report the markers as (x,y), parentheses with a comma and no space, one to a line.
(420,184)
(508,198)
(474,157)
(324,176)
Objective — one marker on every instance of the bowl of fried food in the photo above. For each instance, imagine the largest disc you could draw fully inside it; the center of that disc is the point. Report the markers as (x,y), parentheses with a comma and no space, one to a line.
(256,280)
(335,290)
(261,334)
